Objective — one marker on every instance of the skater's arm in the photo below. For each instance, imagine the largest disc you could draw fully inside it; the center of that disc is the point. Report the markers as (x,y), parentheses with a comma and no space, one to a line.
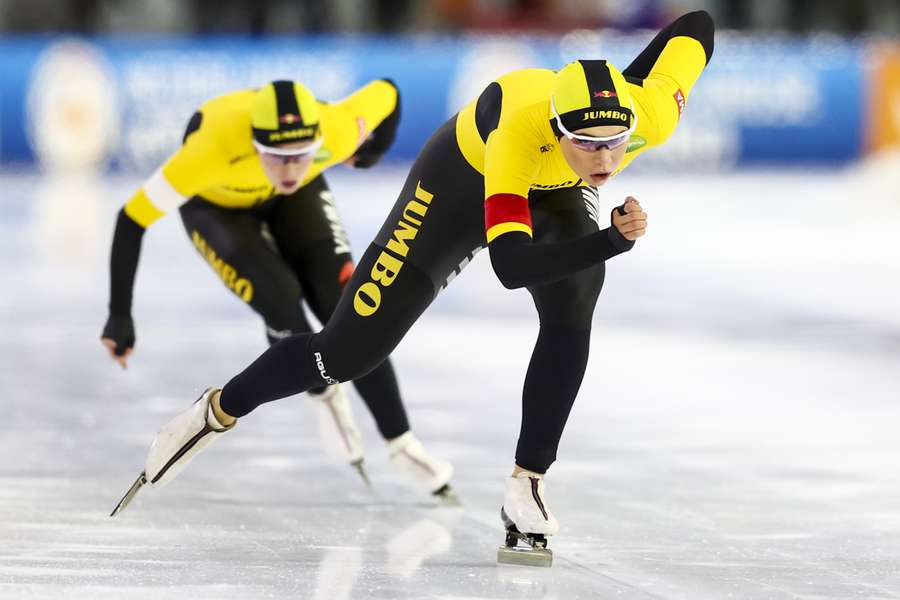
(382,137)
(697,25)
(510,166)
(188,171)
(123,261)
(118,332)
(361,128)
(519,262)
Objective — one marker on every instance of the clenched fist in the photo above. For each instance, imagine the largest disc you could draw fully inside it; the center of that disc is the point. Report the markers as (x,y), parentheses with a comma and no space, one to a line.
(630,219)
(118,337)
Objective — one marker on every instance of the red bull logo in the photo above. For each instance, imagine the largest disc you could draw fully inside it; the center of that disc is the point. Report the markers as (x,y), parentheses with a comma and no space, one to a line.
(288,118)
(605,94)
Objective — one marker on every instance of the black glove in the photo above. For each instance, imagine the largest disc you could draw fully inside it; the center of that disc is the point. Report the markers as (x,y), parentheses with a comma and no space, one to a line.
(120,329)
(618,240)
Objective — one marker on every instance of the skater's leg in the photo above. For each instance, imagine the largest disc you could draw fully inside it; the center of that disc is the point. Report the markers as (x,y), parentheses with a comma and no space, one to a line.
(379,388)
(565,309)
(348,347)
(231,241)
(436,223)
(554,376)
(310,235)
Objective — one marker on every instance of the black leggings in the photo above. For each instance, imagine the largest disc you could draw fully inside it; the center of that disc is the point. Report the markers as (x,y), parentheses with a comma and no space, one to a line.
(435,228)
(273,257)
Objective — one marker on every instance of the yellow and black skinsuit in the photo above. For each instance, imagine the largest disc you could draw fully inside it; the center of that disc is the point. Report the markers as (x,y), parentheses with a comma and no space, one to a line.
(270,250)
(494,176)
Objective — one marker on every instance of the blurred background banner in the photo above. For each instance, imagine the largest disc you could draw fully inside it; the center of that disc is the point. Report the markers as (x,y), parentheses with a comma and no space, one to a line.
(767,99)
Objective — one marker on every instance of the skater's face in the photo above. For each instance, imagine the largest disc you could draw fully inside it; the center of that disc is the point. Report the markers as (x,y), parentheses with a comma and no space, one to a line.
(287,168)
(594,162)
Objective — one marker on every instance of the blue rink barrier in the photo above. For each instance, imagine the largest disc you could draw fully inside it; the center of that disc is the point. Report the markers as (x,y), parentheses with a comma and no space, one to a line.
(125,101)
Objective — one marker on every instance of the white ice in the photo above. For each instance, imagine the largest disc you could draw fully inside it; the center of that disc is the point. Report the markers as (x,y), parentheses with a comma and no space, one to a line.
(736,435)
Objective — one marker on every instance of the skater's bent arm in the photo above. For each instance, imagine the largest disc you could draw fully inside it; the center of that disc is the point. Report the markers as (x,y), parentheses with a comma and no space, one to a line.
(382,137)
(519,262)
(371,116)
(510,167)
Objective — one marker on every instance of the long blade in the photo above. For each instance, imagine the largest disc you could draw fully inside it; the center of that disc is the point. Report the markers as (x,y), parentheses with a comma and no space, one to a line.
(130,494)
(358,465)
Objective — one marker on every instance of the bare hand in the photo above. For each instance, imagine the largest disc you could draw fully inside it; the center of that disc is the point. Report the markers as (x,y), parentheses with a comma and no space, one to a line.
(111,346)
(633,224)
(118,337)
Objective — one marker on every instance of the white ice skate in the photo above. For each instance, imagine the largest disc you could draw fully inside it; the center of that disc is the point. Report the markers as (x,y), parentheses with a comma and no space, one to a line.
(527,519)
(419,469)
(337,429)
(176,444)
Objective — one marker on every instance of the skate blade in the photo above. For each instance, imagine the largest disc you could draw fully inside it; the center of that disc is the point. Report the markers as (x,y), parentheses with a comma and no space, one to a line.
(447,496)
(358,465)
(130,494)
(526,557)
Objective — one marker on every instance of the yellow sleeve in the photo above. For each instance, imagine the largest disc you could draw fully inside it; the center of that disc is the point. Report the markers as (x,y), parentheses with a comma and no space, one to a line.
(196,166)
(661,99)
(352,119)
(510,166)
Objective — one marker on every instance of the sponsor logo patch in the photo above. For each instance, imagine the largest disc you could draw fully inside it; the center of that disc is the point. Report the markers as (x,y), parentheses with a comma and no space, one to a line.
(680,101)
(367,298)
(635,142)
(320,364)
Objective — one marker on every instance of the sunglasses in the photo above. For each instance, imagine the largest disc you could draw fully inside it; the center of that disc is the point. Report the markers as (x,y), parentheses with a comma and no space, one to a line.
(590,143)
(287,155)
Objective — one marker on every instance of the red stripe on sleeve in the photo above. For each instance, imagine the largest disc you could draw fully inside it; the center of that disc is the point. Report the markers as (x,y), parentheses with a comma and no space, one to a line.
(503,208)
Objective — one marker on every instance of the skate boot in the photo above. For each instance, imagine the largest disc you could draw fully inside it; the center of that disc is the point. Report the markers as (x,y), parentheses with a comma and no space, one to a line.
(421,470)
(179,441)
(337,429)
(527,519)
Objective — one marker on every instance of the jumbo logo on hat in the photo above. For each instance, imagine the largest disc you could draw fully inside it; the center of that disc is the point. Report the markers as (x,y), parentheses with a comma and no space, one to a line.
(284,111)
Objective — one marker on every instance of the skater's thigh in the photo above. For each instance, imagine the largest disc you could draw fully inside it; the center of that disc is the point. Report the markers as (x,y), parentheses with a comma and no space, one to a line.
(437,222)
(310,236)
(232,243)
(434,229)
(308,217)
(380,303)
(561,215)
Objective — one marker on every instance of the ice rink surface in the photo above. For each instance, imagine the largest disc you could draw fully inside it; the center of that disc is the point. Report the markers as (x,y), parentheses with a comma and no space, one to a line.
(736,435)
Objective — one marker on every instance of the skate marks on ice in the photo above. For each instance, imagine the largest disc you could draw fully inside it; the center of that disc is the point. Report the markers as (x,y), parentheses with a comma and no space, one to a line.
(216,546)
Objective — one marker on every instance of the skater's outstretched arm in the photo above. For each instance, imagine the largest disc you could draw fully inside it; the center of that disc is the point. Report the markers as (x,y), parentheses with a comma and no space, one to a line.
(185,173)
(697,25)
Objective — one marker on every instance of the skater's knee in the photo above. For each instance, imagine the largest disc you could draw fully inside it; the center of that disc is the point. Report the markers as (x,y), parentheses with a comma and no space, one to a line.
(346,359)
(279,305)
(356,364)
